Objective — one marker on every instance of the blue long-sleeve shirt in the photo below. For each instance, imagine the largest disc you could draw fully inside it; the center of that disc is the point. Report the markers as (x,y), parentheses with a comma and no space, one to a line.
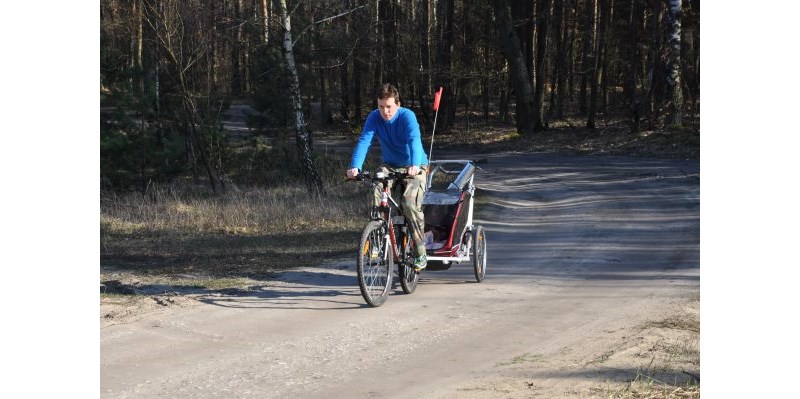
(400,140)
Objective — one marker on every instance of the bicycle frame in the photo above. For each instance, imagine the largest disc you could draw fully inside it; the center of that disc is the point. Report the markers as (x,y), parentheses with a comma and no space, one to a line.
(380,234)
(387,205)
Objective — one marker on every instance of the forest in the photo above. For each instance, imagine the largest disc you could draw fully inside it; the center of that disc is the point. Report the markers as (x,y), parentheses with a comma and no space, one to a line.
(169,70)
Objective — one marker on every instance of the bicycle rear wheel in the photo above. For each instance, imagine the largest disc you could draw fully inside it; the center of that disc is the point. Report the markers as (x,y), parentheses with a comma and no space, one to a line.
(408,276)
(374,264)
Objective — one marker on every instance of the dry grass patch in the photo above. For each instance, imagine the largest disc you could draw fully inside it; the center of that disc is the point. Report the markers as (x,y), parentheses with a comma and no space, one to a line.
(246,233)
(644,387)
(160,249)
(670,346)
(569,135)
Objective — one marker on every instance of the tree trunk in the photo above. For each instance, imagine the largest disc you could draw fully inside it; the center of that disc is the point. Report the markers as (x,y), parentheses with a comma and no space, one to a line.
(690,51)
(444,62)
(673,92)
(587,64)
(430,26)
(345,64)
(360,71)
(195,128)
(265,15)
(303,137)
(505,89)
(423,25)
(344,90)
(560,38)
(236,51)
(542,16)
(572,56)
(599,61)
(655,78)
(518,70)
(522,15)
(388,41)
(485,99)
(324,106)
(139,45)
(632,94)
(423,46)
(605,65)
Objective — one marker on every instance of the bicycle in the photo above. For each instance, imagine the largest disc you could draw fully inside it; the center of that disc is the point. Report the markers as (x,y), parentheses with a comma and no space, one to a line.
(385,241)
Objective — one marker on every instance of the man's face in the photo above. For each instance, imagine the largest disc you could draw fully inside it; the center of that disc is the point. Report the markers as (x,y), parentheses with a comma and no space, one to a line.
(387,107)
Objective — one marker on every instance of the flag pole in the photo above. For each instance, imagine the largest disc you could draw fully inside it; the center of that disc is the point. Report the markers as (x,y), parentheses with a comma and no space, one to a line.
(436,99)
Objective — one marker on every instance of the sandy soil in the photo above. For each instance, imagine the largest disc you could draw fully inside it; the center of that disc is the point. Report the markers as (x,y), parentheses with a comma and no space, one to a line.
(593,283)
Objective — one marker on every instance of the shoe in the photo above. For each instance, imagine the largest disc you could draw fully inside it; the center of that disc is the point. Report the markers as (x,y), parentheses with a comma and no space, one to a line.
(420,263)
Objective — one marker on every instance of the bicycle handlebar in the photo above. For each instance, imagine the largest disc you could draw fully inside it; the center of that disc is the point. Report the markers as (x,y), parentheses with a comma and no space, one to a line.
(379,176)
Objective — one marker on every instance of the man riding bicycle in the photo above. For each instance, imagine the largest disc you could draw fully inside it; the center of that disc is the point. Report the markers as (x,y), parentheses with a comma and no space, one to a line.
(401,148)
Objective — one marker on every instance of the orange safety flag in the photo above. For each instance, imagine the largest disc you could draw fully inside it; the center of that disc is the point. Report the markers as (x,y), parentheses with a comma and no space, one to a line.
(436,98)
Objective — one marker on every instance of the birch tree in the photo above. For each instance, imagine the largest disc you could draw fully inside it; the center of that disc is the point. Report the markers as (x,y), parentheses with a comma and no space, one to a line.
(302,135)
(265,17)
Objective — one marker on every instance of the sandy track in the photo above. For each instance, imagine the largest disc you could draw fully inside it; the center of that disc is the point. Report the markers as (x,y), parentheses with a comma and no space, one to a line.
(582,251)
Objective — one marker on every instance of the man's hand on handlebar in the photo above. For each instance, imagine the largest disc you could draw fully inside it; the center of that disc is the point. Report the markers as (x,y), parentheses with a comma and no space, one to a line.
(353,174)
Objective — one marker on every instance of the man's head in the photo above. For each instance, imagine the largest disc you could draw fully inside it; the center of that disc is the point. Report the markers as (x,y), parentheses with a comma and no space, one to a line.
(388,101)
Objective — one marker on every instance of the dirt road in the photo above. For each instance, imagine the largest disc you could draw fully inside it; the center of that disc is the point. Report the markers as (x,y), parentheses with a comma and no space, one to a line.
(581,251)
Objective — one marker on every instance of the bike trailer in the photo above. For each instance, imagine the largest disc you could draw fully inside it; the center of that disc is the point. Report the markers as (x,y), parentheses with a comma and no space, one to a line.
(448,206)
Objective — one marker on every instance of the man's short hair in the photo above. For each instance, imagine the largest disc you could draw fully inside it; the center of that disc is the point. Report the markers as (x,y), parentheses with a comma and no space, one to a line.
(386,91)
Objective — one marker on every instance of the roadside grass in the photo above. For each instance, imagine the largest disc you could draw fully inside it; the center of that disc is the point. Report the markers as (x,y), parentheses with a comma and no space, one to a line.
(569,135)
(671,346)
(182,238)
(645,387)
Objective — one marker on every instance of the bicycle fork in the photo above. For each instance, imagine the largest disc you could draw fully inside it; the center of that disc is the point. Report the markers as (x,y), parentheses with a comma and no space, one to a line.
(388,241)
(391,241)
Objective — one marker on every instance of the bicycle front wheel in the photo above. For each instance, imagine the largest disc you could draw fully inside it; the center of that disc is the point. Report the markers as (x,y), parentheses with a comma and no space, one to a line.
(375,264)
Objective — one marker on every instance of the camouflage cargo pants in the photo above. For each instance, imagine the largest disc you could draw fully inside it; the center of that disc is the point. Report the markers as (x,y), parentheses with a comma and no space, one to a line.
(411,201)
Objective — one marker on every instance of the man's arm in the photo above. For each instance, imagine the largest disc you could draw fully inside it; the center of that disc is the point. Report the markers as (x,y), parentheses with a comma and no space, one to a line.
(418,157)
(363,145)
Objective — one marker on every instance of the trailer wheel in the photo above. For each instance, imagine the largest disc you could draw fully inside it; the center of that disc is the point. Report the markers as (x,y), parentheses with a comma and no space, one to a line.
(479,253)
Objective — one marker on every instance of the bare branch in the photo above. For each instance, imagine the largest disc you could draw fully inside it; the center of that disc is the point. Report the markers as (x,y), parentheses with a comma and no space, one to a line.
(324,20)
(339,15)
